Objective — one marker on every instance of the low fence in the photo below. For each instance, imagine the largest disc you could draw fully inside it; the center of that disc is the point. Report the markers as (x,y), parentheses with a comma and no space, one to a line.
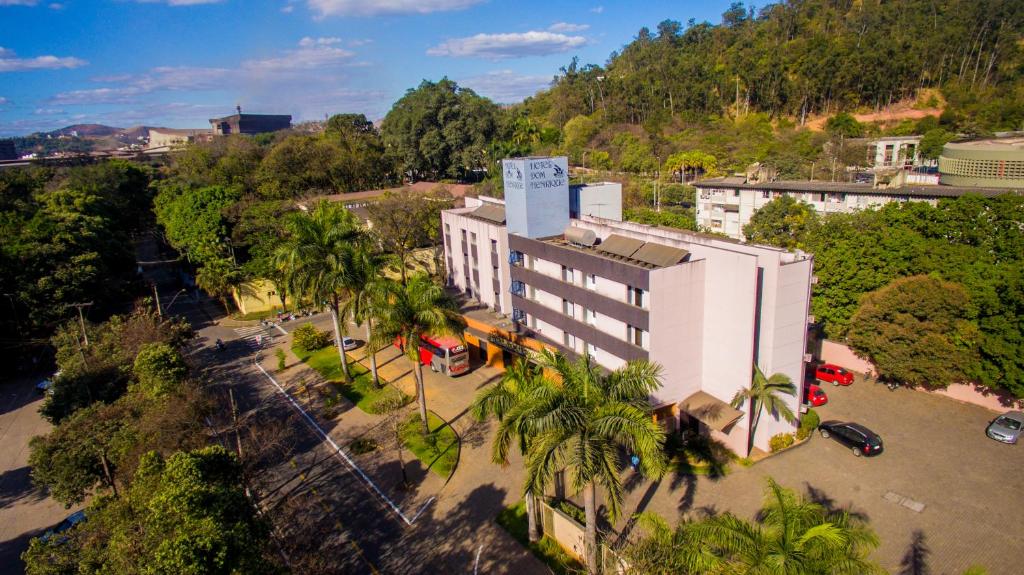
(995,400)
(571,535)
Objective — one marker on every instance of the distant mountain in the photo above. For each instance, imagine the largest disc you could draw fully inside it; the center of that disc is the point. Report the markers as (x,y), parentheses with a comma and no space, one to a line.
(87,131)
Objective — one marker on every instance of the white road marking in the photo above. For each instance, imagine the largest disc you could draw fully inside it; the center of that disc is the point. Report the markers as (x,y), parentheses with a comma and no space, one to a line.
(476,564)
(309,419)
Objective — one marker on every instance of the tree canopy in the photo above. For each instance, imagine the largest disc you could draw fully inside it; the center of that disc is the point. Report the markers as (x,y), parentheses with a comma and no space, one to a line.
(440,130)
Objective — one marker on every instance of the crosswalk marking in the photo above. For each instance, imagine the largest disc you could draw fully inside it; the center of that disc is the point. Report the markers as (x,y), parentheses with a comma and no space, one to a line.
(255,336)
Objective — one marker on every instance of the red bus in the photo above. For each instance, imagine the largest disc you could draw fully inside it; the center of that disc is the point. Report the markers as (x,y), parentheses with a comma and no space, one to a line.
(445,354)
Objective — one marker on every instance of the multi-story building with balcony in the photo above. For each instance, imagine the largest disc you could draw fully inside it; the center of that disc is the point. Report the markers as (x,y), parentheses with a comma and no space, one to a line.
(705,309)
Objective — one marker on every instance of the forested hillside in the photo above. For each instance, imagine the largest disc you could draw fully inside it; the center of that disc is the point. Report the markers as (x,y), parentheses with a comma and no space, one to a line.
(803,57)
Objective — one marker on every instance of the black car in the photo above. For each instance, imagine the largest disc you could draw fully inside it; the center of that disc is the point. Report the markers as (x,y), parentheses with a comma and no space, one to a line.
(860,440)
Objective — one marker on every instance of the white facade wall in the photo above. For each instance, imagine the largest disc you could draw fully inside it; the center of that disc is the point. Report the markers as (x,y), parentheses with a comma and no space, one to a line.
(755,301)
(541,266)
(726,210)
(606,359)
(453,222)
(677,329)
(609,325)
(536,195)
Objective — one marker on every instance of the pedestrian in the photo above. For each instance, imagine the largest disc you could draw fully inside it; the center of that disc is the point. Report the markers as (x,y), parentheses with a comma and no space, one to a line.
(635,462)
(259,340)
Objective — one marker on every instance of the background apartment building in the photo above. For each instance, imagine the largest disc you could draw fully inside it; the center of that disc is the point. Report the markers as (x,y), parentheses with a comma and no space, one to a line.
(705,309)
(987,168)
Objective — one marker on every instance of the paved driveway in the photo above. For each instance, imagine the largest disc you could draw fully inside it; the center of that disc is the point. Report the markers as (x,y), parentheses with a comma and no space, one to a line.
(24,511)
(972,488)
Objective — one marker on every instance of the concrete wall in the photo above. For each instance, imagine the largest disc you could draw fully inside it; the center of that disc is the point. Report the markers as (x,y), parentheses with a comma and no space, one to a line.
(677,329)
(839,354)
(457,220)
(257,296)
(536,196)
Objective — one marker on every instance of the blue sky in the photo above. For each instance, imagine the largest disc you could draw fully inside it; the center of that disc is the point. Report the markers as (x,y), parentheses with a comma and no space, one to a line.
(176,63)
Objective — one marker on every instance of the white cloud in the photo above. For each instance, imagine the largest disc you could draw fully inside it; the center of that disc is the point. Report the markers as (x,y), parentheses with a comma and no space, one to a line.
(18,2)
(567,27)
(506,86)
(56,6)
(288,9)
(324,8)
(501,46)
(179,2)
(4,101)
(9,62)
(308,42)
(597,9)
(48,112)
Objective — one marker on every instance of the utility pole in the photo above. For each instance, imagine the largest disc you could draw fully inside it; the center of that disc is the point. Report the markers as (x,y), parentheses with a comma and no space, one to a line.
(81,320)
(156,298)
(14,313)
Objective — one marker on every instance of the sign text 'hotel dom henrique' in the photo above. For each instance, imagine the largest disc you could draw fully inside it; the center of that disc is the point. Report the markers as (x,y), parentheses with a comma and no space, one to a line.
(530,174)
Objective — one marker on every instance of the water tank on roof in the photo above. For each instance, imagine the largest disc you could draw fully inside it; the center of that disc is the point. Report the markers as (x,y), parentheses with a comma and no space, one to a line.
(580,236)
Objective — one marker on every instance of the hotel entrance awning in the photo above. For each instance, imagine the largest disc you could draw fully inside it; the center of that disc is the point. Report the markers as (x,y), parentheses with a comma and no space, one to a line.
(710,410)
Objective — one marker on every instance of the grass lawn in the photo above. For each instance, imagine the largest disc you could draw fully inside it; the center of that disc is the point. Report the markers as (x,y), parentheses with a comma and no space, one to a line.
(362,391)
(254,315)
(438,451)
(513,519)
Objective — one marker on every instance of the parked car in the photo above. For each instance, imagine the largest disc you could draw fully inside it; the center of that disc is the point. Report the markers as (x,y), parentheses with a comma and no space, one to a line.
(69,522)
(348,344)
(1007,427)
(45,386)
(814,395)
(831,373)
(860,440)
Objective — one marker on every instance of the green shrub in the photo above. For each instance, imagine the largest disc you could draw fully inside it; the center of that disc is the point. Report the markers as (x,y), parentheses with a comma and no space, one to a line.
(808,423)
(780,441)
(159,369)
(308,338)
(281,360)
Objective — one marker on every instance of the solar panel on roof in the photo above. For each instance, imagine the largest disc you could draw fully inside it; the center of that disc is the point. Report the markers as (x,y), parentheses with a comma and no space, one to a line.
(619,245)
(660,255)
(490,212)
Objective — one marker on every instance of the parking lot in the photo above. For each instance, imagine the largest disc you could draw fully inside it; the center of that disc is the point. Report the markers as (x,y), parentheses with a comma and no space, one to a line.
(941,489)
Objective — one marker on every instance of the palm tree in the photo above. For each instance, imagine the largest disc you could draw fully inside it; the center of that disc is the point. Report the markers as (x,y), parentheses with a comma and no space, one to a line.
(218,277)
(583,423)
(667,551)
(368,289)
(792,536)
(318,259)
(765,393)
(419,307)
(507,401)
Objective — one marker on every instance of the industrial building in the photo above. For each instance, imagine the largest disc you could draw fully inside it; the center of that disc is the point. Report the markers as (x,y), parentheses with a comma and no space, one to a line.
(984,163)
(240,123)
(705,309)
(169,138)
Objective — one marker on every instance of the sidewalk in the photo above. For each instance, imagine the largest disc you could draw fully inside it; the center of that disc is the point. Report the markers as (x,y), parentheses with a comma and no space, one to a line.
(457,513)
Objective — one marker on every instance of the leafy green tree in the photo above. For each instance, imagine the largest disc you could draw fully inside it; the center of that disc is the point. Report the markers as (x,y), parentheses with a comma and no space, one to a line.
(845,125)
(577,134)
(791,535)
(932,142)
(186,513)
(318,258)
(692,162)
(782,222)
(79,454)
(195,221)
(584,424)
(918,330)
(159,369)
(440,130)
(414,309)
(508,401)
(219,277)
(765,394)
(405,220)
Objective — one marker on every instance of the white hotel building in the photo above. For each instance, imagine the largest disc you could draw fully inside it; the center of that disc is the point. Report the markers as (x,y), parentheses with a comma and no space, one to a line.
(705,309)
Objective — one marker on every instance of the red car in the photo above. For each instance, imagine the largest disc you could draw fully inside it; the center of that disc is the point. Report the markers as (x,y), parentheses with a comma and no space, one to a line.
(833,374)
(814,395)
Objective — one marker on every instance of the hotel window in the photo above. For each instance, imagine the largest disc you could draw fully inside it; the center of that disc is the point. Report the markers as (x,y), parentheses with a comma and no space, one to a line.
(568,275)
(635,296)
(765,194)
(736,193)
(569,340)
(447,228)
(635,336)
(591,281)
(568,308)
(494,246)
(472,237)
(591,317)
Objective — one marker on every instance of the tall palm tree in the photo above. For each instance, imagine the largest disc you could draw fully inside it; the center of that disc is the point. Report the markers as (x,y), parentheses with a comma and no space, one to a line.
(582,424)
(318,258)
(791,536)
(507,401)
(368,289)
(419,307)
(765,393)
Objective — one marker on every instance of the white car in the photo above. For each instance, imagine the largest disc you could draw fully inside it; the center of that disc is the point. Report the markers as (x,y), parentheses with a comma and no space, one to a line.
(348,344)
